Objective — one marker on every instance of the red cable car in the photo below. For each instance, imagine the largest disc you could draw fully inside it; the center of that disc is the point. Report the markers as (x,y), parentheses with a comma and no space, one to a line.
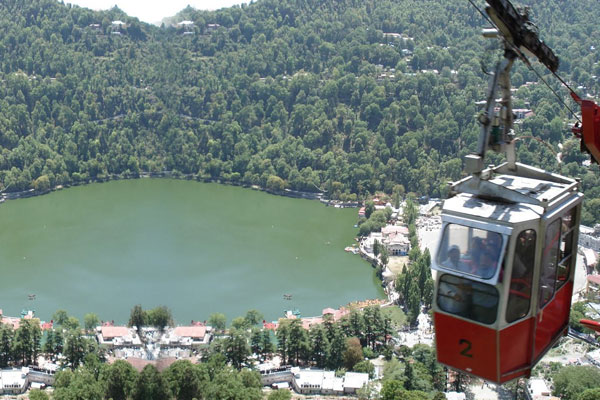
(505,262)
(505,267)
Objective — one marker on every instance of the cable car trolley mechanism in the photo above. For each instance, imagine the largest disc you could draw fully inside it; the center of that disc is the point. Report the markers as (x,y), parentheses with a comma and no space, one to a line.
(505,261)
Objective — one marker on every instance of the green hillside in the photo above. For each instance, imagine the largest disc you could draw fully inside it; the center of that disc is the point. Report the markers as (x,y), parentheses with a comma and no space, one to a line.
(309,93)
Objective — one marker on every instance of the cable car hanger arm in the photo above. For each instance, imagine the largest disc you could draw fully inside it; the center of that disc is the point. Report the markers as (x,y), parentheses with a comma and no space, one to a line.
(522,36)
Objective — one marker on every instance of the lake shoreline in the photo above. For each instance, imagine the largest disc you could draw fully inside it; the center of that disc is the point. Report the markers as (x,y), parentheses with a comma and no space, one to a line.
(188,177)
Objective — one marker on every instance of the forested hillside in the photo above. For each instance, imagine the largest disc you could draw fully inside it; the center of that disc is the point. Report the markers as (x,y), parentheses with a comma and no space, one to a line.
(304,94)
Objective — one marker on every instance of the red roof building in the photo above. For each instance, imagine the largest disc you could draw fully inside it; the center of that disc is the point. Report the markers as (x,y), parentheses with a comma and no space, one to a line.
(196,332)
(111,332)
(47,326)
(270,325)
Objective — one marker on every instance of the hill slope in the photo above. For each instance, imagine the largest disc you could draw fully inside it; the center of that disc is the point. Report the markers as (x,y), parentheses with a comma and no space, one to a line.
(299,93)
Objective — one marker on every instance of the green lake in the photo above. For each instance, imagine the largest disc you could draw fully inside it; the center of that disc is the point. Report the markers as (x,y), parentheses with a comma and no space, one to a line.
(197,248)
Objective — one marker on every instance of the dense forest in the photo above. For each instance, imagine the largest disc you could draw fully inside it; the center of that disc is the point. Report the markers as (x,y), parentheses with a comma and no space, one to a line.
(309,95)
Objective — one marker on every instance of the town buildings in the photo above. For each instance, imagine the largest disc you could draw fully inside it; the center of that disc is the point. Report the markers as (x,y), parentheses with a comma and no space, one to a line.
(394,238)
(118,336)
(315,381)
(17,381)
(537,389)
(186,336)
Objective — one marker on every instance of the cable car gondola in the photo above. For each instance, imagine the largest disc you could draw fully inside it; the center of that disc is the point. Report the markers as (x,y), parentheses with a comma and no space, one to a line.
(505,261)
(505,274)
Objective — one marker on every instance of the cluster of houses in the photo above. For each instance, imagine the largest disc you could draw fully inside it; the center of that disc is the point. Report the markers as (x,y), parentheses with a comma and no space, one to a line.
(310,381)
(162,348)
(152,346)
(114,337)
(158,348)
(334,314)
(15,322)
(393,237)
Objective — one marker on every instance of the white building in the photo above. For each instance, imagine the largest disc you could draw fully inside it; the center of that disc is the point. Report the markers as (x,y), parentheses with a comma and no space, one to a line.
(589,257)
(455,396)
(118,336)
(186,336)
(594,357)
(397,244)
(188,27)
(537,389)
(313,381)
(316,382)
(590,237)
(395,240)
(16,381)
(369,242)
(13,381)
(393,237)
(354,381)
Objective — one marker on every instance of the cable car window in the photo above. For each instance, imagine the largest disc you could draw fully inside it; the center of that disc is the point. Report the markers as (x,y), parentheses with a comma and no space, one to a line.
(470,250)
(566,247)
(519,297)
(549,261)
(466,298)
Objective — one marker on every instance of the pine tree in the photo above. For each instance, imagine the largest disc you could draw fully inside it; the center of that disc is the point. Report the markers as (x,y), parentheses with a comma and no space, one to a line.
(48,347)
(355,325)
(319,345)
(282,342)
(298,342)
(409,374)
(256,341)
(237,350)
(6,338)
(413,304)
(266,343)
(58,342)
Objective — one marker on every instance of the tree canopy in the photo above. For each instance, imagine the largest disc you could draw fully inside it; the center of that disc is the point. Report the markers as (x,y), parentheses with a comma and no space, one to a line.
(347,97)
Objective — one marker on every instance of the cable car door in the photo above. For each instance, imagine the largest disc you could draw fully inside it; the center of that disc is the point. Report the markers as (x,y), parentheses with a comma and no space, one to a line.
(556,279)
(467,299)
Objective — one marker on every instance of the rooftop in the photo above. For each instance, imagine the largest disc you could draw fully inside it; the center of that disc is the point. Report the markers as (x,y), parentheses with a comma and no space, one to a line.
(114,331)
(11,378)
(394,229)
(355,380)
(196,331)
(590,256)
(326,380)
(538,387)
(13,321)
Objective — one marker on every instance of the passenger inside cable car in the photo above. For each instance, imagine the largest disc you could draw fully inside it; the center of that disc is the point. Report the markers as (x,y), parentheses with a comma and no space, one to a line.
(469,251)
(519,298)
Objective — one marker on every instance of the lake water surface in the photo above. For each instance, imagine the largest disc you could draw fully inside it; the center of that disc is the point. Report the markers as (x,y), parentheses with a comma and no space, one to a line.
(197,248)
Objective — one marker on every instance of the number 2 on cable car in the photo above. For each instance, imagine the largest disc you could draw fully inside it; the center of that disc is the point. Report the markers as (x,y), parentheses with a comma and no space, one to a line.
(467,348)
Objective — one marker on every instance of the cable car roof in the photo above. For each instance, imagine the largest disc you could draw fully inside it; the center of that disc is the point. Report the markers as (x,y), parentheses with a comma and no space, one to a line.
(535,188)
(544,195)
(467,204)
